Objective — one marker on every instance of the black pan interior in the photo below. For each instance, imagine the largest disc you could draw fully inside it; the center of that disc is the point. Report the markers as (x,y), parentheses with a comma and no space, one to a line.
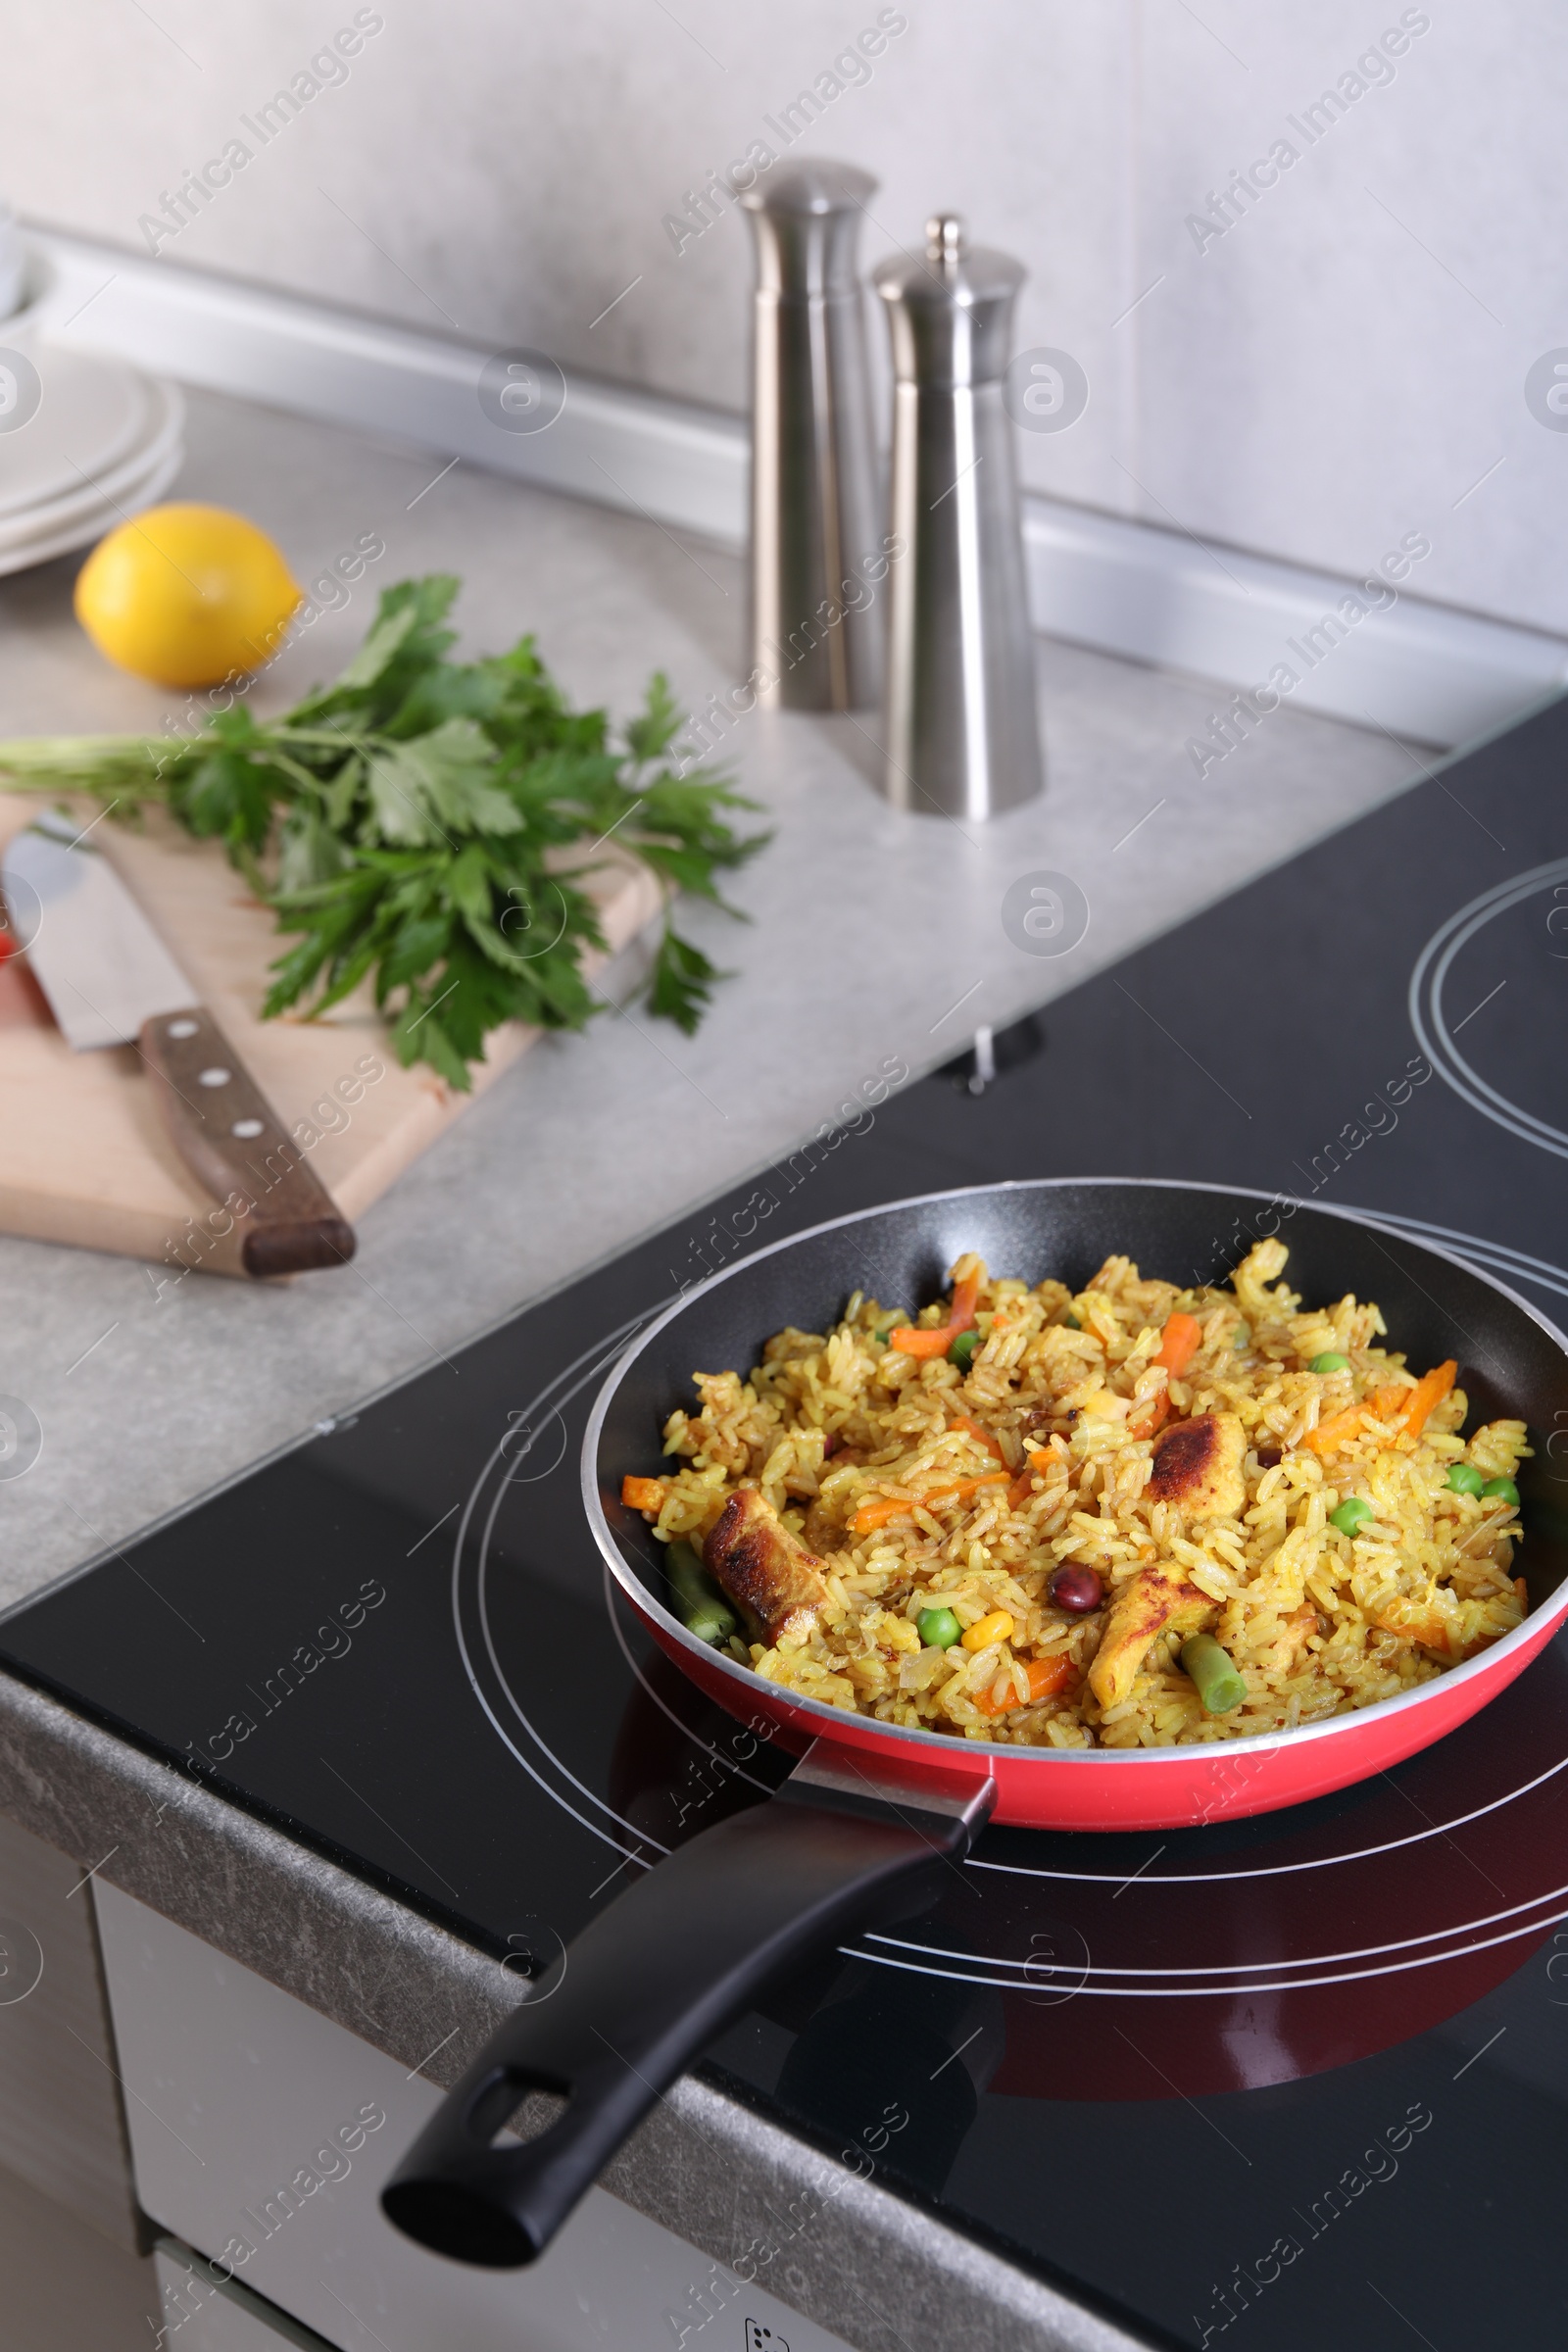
(1509,1364)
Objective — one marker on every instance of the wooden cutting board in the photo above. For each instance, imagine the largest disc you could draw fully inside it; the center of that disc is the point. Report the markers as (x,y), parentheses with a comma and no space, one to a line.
(83,1154)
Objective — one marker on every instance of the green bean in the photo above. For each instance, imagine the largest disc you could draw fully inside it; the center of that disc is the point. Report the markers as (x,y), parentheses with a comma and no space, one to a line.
(961,1352)
(1219,1683)
(699,1603)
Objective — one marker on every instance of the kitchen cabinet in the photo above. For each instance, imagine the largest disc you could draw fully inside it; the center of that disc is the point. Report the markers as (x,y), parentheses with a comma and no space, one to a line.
(261,2133)
(208,2317)
(59,2118)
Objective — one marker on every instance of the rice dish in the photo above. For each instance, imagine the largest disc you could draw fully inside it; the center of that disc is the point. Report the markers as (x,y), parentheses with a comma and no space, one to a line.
(1134,1515)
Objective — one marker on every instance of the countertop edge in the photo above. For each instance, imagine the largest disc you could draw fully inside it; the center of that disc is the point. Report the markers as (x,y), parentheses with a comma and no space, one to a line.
(702,2165)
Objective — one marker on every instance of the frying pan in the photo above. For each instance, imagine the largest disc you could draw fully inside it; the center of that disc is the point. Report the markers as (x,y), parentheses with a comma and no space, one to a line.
(874,1816)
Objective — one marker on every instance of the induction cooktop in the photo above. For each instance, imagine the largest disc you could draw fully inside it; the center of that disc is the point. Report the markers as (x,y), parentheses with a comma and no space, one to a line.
(1298,2077)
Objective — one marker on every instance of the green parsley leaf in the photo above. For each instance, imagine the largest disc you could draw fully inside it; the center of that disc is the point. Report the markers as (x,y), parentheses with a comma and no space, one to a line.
(426,825)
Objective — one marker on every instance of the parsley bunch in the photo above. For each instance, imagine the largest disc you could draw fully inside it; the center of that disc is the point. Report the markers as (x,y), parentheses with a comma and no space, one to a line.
(431,823)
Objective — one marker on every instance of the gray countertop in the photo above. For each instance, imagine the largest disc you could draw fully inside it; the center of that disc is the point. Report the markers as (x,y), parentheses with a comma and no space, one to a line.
(877,942)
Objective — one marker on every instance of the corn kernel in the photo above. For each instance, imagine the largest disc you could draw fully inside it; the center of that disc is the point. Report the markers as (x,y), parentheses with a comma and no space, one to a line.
(995,1627)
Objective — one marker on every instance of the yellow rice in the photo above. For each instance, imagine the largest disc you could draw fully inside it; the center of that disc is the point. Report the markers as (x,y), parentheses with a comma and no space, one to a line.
(1318,1621)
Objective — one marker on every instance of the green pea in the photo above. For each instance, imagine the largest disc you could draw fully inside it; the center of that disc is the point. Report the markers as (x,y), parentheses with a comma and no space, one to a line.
(937,1629)
(1072,1322)
(1465,1479)
(961,1352)
(1503,1488)
(1331,1360)
(1350,1513)
(1220,1685)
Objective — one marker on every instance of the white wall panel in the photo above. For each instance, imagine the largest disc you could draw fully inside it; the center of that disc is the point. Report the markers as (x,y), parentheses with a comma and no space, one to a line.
(1347,362)
(1342,367)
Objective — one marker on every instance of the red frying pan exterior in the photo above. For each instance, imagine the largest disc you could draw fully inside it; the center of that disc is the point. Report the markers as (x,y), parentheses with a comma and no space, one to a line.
(1143,1788)
(1106,1790)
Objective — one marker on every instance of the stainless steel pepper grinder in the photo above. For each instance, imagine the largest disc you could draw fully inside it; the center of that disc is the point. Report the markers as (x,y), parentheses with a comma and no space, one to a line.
(961,730)
(815,511)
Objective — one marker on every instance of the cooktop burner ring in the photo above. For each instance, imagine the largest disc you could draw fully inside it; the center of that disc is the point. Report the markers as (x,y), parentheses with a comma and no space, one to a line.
(1235,1968)
(475,1553)
(1164,1990)
(548,1407)
(1432,968)
(1275,1870)
(546,1403)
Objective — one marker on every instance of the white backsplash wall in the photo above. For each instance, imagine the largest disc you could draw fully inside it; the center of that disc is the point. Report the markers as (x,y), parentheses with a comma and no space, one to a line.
(1343,365)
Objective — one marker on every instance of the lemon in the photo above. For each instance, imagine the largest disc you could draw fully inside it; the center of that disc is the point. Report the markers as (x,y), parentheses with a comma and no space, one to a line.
(186,596)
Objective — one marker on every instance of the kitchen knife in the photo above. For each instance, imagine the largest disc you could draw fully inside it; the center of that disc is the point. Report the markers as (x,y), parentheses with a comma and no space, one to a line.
(109,980)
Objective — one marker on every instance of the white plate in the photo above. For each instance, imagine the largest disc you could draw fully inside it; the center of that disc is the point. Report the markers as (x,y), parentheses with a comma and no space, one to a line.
(83,532)
(92,415)
(112,493)
(167,420)
(93,521)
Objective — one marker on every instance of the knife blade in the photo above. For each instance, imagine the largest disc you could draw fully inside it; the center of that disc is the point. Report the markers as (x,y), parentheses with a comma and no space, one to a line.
(109,980)
(93,953)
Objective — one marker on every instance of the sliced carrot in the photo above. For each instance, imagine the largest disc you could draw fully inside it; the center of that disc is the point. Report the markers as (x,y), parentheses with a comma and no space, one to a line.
(922,1344)
(1152,1416)
(984,1437)
(883,1507)
(1427,1394)
(960,1318)
(1337,1431)
(1523,1590)
(1047,1676)
(1426,1632)
(878,1512)
(643,1494)
(965,1299)
(1023,1484)
(965,1487)
(1179,1343)
(1383,1404)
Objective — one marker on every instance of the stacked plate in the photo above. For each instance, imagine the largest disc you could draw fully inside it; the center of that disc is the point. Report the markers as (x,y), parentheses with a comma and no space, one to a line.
(84,442)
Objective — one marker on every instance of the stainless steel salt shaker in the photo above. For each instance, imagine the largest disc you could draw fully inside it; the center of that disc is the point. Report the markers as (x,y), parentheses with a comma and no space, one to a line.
(815,632)
(960,726)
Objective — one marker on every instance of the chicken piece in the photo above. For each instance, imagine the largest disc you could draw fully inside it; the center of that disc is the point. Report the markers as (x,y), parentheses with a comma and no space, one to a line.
(1198,1466)
(767,1571)
(1158,1600)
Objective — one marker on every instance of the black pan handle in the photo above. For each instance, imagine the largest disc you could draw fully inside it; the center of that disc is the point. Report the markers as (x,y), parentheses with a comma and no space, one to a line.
(651,1982)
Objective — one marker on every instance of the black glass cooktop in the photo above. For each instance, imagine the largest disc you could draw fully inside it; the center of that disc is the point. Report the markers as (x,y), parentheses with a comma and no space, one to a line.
(1303,2077)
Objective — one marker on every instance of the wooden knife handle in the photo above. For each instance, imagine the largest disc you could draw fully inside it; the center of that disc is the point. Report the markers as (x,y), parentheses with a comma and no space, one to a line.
(229,1137)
